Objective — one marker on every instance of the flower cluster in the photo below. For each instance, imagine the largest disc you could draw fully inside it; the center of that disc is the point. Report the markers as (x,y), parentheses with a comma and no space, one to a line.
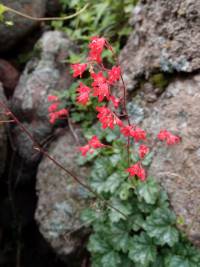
(101,88)
(92,144)
(168,137)
(54,113)
(104,80)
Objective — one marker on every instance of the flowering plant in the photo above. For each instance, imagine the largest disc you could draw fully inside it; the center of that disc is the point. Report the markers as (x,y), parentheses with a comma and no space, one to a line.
(131,219)
(137,228)
(103,82)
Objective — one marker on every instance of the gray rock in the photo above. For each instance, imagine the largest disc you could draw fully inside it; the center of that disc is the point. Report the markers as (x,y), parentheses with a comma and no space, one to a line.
(42,76)
(165,38)
(61,199)
(3,137)
(10,35)
(178,167)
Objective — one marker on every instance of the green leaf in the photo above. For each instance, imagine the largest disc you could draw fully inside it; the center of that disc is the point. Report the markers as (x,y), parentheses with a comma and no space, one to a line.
(119,238)
(112,183)
(148,191)
(124,191)
(142,250)
(111,259)
(89,215)
(115,159)
(178,261)
(9,23)
(123,206)
(148,159)
(159,225)
(3,9)
(138,221)
(97,244)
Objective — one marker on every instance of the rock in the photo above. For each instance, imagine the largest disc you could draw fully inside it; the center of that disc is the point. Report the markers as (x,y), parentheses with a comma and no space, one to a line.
(178,167)
(3,137)
(11,35)
(165,38)
(53,8)
(9,77)
(42,76)
(61,199)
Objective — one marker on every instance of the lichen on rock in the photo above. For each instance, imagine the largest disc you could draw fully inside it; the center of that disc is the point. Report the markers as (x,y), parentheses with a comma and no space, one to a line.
(162,40)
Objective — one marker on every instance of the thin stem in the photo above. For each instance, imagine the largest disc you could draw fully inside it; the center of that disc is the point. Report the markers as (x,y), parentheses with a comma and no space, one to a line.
(124,98)
(57,163)
(5,121)
(45,19)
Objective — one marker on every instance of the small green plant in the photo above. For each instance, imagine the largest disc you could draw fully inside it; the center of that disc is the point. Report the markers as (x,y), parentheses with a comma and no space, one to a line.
(147,236)
(108,18)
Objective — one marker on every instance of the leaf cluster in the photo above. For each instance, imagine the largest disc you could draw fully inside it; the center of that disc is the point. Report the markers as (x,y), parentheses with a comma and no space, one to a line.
(145,234)
(108,18)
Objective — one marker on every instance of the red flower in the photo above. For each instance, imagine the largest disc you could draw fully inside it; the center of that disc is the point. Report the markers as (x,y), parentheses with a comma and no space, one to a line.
(138,134)
(98,78)
(143,151)
(95,143)
(84,149)
(101,91)
(115,101)
(170,139)
(100,86)
(137,170)
(92,143)
(162,135)
(52,98)
(78,69)
(62,112)
(96,47)
(108,118)
(114,74)
(127,130)
(53,107)
(84,94)
(173,139)
(53,116)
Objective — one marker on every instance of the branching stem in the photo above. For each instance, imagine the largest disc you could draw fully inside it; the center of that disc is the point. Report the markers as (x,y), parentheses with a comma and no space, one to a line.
(9,9)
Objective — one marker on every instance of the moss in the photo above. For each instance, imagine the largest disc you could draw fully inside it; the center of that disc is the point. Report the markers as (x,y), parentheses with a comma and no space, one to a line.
(159,80)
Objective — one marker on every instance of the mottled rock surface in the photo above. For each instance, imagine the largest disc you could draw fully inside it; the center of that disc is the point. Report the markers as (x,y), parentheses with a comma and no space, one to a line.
(61,199)
(11,35)
(165,38)
(3,137)
(43,75)
(178,167)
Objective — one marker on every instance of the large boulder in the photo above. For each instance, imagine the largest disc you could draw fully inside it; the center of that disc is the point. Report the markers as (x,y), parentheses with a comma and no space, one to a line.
(11,35)
(3,136)
(165,38)
(162,60)
(61,199)
(178,167)
(43,75)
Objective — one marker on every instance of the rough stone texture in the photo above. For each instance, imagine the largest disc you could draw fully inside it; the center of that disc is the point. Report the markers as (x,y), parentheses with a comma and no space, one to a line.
(42,76)
(10,35)
(60,198)
(166,38)
(9,77)
(178,167)
(53,8)
(3,138)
